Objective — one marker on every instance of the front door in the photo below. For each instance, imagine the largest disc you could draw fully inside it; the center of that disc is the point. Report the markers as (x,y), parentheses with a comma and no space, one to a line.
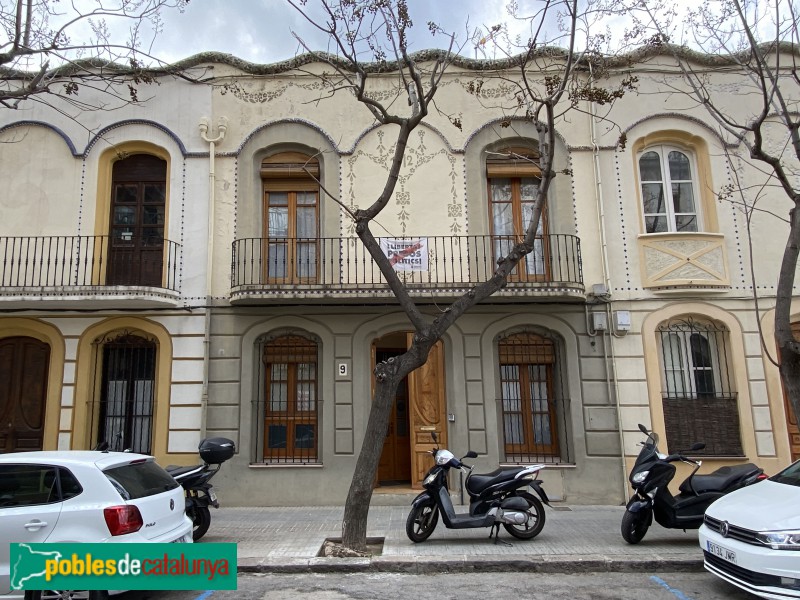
(791,418)
(138,196)
(24,364)
(395,465)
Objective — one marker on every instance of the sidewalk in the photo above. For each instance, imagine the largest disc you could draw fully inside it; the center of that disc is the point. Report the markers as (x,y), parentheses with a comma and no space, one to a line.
(574,539)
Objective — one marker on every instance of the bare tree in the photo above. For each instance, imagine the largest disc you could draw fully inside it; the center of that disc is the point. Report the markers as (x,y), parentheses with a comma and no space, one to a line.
(758,40)
(52,49)
(549,81)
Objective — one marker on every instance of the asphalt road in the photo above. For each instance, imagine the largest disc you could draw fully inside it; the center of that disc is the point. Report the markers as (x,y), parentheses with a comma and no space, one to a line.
(368,586)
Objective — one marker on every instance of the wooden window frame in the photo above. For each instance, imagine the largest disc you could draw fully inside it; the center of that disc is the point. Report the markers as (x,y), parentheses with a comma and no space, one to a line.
(663,150)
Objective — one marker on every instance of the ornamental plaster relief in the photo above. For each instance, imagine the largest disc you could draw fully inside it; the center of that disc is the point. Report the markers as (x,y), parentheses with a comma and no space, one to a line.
(684,259)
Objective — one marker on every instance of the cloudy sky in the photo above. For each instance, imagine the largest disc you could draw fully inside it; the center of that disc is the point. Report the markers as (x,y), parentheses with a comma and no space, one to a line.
(260,30)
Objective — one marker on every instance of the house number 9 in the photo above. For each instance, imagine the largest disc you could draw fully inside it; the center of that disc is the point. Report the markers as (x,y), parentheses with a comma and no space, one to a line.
(342,369)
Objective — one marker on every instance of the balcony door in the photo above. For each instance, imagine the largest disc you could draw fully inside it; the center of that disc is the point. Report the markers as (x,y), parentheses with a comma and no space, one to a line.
(24,364)
(136,246)
(291,218)
(513,182)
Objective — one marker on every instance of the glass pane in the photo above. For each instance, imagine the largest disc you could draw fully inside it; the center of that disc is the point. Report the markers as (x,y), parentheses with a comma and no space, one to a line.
(152,236)
(304,436)
(541,430)
(683,197)
(701,350)
(306,223)
(278,397)
(674,364)
(656,224)
(307,260)
(686,223)
(527,211)
(124,215)
(650,167)
(278,199)
(276,436)
(653,198)
(153,215)
(277,261)
(500,189)
(528,188)
(307,198)
(512,427)
(535,260)
(278,222)
(154,193)
(679,168)
(125,193)
(503,219)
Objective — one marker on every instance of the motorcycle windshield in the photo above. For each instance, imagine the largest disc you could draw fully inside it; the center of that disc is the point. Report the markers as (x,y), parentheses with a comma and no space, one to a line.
(648,454)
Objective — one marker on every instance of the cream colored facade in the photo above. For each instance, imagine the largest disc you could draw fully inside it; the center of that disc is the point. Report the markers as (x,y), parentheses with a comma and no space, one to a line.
(210,321)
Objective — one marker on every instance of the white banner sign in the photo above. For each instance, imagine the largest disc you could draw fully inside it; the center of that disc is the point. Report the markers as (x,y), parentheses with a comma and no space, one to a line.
(406,255)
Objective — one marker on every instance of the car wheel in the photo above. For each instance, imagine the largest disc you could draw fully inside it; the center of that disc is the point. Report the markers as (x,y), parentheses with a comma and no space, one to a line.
(421,522)
(535,523)
(634,526)
(201,518)
(63,595)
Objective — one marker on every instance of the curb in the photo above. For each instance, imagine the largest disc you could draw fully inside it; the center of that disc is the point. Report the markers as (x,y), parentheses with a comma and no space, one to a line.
(473,564)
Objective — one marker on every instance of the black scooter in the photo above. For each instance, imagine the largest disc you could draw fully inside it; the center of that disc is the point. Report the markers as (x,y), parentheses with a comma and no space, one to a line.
(652,472)
(195,482)
(495,498)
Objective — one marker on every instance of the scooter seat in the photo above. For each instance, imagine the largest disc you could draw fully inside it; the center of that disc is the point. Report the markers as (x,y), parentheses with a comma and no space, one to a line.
(718,481)
(177,471)
(477,483)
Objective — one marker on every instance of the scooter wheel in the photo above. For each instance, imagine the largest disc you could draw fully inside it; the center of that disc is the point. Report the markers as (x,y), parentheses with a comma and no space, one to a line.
(421,522)
(201,520)
(535,523)
(634,526)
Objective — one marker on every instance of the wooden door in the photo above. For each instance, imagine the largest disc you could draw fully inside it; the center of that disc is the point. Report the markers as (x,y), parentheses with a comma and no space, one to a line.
(24,364)
(428,412)
(395,463)
(136,228)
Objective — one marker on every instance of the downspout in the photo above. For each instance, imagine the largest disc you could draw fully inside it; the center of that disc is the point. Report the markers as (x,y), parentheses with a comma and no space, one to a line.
(611,378)
(222,127)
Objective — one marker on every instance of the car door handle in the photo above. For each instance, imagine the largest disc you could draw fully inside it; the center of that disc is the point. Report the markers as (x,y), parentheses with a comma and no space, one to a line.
(36,524)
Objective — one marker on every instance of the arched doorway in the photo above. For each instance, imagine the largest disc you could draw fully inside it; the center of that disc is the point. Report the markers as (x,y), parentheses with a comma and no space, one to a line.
(24,366)
(419,410)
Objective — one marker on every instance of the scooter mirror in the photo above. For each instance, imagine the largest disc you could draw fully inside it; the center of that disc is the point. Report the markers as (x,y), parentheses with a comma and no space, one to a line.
(471,454)
(643,429)
(435,437)
(697,446)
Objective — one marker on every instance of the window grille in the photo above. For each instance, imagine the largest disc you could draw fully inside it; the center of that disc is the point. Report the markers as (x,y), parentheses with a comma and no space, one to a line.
(287,403)
(533,409)
(700,403)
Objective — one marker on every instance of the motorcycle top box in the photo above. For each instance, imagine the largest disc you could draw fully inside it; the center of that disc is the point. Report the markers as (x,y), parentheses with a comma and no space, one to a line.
(215,451)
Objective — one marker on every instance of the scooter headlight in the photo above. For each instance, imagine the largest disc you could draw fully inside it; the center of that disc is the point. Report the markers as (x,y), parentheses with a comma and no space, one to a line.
(780,540)
(639,477)
(429,479)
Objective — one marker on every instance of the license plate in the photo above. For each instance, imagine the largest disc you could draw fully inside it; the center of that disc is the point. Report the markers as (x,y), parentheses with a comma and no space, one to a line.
(721,552)
(212,495)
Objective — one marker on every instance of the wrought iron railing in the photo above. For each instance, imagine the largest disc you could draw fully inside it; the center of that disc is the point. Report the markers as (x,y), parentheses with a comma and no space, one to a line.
(87,261)
(427,261)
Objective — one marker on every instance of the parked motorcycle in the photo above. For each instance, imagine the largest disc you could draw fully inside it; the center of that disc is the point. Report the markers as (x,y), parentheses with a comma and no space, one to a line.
(195,482)
(495,498)
(650,476)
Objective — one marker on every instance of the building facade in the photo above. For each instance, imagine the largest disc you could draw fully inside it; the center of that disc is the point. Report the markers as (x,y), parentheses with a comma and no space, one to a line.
(178,274)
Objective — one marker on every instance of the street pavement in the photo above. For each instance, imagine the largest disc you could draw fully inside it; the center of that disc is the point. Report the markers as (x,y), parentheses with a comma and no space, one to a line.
(575,539)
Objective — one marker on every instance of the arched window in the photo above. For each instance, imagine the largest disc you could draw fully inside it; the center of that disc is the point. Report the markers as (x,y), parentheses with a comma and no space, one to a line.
(291,217)
(532,405)
(287,400)
(513,179)
(669,197)
(700,404)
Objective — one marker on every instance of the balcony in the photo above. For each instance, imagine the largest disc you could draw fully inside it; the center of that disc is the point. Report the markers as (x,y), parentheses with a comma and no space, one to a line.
(87,271)
(434,267)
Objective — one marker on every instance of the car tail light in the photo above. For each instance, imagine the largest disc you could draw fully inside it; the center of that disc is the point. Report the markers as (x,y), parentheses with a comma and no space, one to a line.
(123,519)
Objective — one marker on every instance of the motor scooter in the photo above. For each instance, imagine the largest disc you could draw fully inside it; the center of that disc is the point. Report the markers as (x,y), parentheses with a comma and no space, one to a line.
(195,482)
(495,498)
(650,476)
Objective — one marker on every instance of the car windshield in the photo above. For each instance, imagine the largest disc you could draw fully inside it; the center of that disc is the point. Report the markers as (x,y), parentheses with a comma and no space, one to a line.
(789,476)
(140,479)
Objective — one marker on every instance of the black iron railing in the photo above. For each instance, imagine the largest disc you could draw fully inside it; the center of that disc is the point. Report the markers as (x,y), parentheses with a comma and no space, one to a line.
(534,431)
(425,261)
(87,261)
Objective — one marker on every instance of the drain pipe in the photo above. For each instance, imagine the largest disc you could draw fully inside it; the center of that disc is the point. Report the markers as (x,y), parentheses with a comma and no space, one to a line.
(222,128)
(601,224)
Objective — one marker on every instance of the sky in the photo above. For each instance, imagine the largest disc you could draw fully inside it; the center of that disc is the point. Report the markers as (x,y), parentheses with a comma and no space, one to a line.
(259,31)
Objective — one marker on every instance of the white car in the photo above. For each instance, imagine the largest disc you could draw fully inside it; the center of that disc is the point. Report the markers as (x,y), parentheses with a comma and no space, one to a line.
(86,496)
(751,537)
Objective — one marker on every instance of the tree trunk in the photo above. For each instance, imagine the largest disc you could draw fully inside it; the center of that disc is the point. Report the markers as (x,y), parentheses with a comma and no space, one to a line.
(788,347)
